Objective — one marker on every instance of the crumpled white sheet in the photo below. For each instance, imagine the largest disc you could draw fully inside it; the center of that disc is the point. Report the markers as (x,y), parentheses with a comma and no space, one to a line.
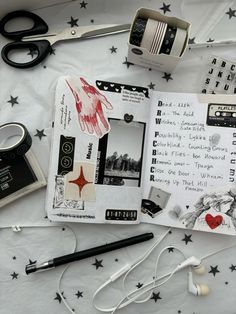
(35,91)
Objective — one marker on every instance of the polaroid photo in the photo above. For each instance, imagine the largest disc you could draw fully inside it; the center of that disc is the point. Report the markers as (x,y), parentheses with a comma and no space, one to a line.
(120,154)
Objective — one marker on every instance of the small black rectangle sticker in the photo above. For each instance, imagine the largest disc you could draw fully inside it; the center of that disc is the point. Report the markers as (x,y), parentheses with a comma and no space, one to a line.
(221,115)
(121,214)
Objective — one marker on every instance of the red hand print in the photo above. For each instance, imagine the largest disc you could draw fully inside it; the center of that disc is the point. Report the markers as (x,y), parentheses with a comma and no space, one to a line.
(88,101)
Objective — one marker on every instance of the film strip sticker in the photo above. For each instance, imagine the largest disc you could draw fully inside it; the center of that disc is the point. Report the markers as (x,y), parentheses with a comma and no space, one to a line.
(118,88)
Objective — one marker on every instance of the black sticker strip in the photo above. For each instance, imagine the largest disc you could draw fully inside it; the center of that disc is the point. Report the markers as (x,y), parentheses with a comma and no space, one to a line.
(66,155)
(117,88)
(22,144)
(168,40)
(138,31)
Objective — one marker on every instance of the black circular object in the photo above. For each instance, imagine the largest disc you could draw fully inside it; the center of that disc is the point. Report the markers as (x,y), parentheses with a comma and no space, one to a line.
(17,148)
(138,31)
(168,40)
(137,51)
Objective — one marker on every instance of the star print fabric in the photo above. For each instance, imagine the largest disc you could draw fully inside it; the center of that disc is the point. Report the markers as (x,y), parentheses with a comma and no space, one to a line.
(28,247)
(27,96)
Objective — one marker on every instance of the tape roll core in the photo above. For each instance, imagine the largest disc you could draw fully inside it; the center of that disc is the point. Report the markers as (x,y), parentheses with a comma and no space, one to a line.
(15,140)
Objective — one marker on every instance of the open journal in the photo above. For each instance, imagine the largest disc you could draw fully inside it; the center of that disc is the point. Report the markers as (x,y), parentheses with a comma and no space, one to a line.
(123,154)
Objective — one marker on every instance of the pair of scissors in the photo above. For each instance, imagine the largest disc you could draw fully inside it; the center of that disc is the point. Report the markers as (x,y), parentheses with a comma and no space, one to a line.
(42,44)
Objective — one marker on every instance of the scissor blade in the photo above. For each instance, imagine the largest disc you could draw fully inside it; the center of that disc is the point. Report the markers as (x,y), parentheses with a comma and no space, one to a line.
(89,31)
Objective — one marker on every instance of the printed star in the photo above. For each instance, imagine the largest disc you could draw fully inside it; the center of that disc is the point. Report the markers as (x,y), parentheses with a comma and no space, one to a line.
(156,296)
(13,100)
(98,263)
(210,40)
(52,51)
(73,22)
(170,249)
(79,294)
(214,270)
(226,282)
(231,13)
(167,77)
(33,52)
(165,8)
(80,181)
(83,4)
(13,257)
(139,285)
(92,21)
(191,40)
(32,262)
(14,275)
(127,63)
(58,297)
(232,267)
(40,134)
(116,260)
(151,85)
(187,238)
(113,49)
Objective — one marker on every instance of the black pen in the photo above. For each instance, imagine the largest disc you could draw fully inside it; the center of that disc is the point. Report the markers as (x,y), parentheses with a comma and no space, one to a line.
(31,268)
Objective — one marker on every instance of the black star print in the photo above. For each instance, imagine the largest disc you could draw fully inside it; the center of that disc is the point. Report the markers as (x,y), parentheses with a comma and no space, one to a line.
(73,22)
(187,238)
(116,260)
(127,63)
(210,40)
(179,311)
(191,40)
(92,21)
(52,51)
(167,77)
(214,270)
(231,13)
(226,282)
(232,267)
(13,257)
(33,52)
(98,263)
(32,262)
(40,134)
(170,249)
(79,294)
(156,296)
(63,229)
(58,297)
(14,275)
(83,5)
(165,8)
(13,100)
(139,285)
(151,85)
(113,49)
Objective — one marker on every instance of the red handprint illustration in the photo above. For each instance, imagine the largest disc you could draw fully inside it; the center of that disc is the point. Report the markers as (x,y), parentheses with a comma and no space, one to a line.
(88,101)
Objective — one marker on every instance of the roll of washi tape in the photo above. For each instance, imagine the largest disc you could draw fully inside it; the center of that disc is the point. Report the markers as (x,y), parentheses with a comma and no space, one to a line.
(154,40)
(178,42)
(162,32)
(138,31)
(168,40)
(149,34)
(15,140)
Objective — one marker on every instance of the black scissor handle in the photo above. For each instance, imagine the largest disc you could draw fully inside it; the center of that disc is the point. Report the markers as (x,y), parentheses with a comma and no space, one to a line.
(43,48)
(39,27)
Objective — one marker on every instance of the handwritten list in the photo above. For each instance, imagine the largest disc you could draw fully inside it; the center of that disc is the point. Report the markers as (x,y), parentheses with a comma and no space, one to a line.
(184,152)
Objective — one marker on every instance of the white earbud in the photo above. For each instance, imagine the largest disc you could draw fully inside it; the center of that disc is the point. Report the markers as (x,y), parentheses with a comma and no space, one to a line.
(195,289)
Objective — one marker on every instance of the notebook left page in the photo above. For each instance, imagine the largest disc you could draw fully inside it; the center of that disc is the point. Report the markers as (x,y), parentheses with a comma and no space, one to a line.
(95,173)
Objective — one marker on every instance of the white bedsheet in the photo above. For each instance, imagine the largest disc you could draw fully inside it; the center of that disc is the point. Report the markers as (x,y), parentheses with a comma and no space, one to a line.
(33,90)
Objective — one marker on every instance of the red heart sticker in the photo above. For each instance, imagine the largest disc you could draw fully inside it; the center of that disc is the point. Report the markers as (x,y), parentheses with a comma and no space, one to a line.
(213,222)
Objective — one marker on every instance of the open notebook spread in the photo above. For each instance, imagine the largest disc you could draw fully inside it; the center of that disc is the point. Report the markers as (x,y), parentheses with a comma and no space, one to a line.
(123,154)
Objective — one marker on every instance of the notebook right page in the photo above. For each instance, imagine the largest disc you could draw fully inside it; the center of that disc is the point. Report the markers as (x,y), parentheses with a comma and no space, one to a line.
(191,162)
